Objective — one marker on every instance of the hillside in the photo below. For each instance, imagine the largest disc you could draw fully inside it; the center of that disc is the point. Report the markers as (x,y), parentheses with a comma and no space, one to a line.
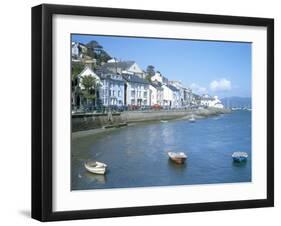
(237,102)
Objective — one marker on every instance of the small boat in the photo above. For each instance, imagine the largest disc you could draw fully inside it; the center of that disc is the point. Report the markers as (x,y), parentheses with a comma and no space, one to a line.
(163,121)
(192,119)
(95,167)
(239,156)
(177,157)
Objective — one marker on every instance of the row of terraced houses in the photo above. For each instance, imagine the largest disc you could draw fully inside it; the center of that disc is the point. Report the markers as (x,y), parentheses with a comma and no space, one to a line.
(123,83)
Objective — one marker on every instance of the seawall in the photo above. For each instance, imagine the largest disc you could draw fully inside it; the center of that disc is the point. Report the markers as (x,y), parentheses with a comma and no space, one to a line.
(82,122)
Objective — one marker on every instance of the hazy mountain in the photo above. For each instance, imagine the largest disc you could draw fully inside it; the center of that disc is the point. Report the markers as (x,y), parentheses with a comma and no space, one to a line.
(237,102)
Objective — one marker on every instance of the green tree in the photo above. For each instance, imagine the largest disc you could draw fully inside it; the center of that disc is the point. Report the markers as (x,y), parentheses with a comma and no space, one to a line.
(90,84)
(76,69)
(150,71)
(96,51)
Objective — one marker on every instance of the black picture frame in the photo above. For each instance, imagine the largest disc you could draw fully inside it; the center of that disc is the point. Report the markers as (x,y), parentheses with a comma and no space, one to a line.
(42,111)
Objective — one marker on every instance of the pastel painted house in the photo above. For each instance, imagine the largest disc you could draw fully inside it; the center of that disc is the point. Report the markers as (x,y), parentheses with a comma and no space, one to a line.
(136,90)
(112,92)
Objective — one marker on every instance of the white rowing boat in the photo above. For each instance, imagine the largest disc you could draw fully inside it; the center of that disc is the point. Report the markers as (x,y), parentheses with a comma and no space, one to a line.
(95,167)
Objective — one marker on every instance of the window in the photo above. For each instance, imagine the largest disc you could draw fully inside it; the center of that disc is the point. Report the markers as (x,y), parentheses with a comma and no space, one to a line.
(113,93)
(145,94)
(119,93)
(133,93)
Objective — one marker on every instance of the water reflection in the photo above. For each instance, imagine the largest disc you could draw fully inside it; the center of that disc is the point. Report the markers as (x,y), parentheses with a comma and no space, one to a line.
(95,178)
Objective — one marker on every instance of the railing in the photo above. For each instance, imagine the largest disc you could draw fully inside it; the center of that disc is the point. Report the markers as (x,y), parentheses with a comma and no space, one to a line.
(130,108)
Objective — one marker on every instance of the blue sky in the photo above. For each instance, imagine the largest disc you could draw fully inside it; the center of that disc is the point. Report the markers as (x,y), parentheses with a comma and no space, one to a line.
(217,68)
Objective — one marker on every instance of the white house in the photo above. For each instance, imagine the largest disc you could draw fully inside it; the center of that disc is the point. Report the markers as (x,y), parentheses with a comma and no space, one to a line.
(87,71)
(78,100)
(157,78)
(136,90)
(181,90)
(209,101)
(167,96)
(158,97)
(78,50)
(152,95)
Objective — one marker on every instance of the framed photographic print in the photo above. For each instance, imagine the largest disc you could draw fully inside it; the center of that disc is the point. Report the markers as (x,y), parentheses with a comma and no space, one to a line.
(145,112)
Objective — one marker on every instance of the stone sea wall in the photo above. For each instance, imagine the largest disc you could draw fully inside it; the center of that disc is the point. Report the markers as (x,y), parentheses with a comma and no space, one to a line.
(81,122)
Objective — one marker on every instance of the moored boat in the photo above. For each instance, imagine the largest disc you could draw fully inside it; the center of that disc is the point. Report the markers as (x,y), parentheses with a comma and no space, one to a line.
(239,156)
(177,157)
(95,167)
(192,119)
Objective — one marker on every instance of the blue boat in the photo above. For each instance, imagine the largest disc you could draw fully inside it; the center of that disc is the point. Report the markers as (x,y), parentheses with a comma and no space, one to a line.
(239,156)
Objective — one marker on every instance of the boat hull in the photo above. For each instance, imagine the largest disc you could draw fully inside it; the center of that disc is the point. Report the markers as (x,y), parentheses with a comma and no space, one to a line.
(96,168)
(239,156)
(178,158)
(239,159)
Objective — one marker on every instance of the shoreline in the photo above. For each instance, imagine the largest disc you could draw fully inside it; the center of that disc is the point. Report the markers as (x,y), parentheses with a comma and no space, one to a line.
(135,118)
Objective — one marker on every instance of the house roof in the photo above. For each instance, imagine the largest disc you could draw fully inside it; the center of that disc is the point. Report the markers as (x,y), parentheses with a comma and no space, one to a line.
(103,71)
(107,74)
(85,69)
(207,98)
(134,79)
(122,64)
(156,85)
(174,89)
(165,80)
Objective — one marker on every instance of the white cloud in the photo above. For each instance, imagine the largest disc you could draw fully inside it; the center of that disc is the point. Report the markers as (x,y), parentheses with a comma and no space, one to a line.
(220,85)
(198,89)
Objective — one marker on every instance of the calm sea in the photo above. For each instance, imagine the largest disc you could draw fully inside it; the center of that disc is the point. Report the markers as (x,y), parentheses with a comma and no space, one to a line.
(137,155)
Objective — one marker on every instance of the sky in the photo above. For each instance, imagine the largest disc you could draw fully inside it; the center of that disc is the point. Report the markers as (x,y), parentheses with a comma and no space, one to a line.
(208,67)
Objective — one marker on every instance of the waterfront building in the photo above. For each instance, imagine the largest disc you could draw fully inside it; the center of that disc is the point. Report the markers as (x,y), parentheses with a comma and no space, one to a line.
(78,99)
(123,67)
(167,96)
(181,90)
(176,101)
(171,96)
(187,97)
(208,101)
(159,93)
(136,90)
(112,91)
(152,95)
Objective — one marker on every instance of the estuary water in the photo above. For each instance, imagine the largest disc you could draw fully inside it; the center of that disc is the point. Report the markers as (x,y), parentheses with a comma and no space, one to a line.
(137,155)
